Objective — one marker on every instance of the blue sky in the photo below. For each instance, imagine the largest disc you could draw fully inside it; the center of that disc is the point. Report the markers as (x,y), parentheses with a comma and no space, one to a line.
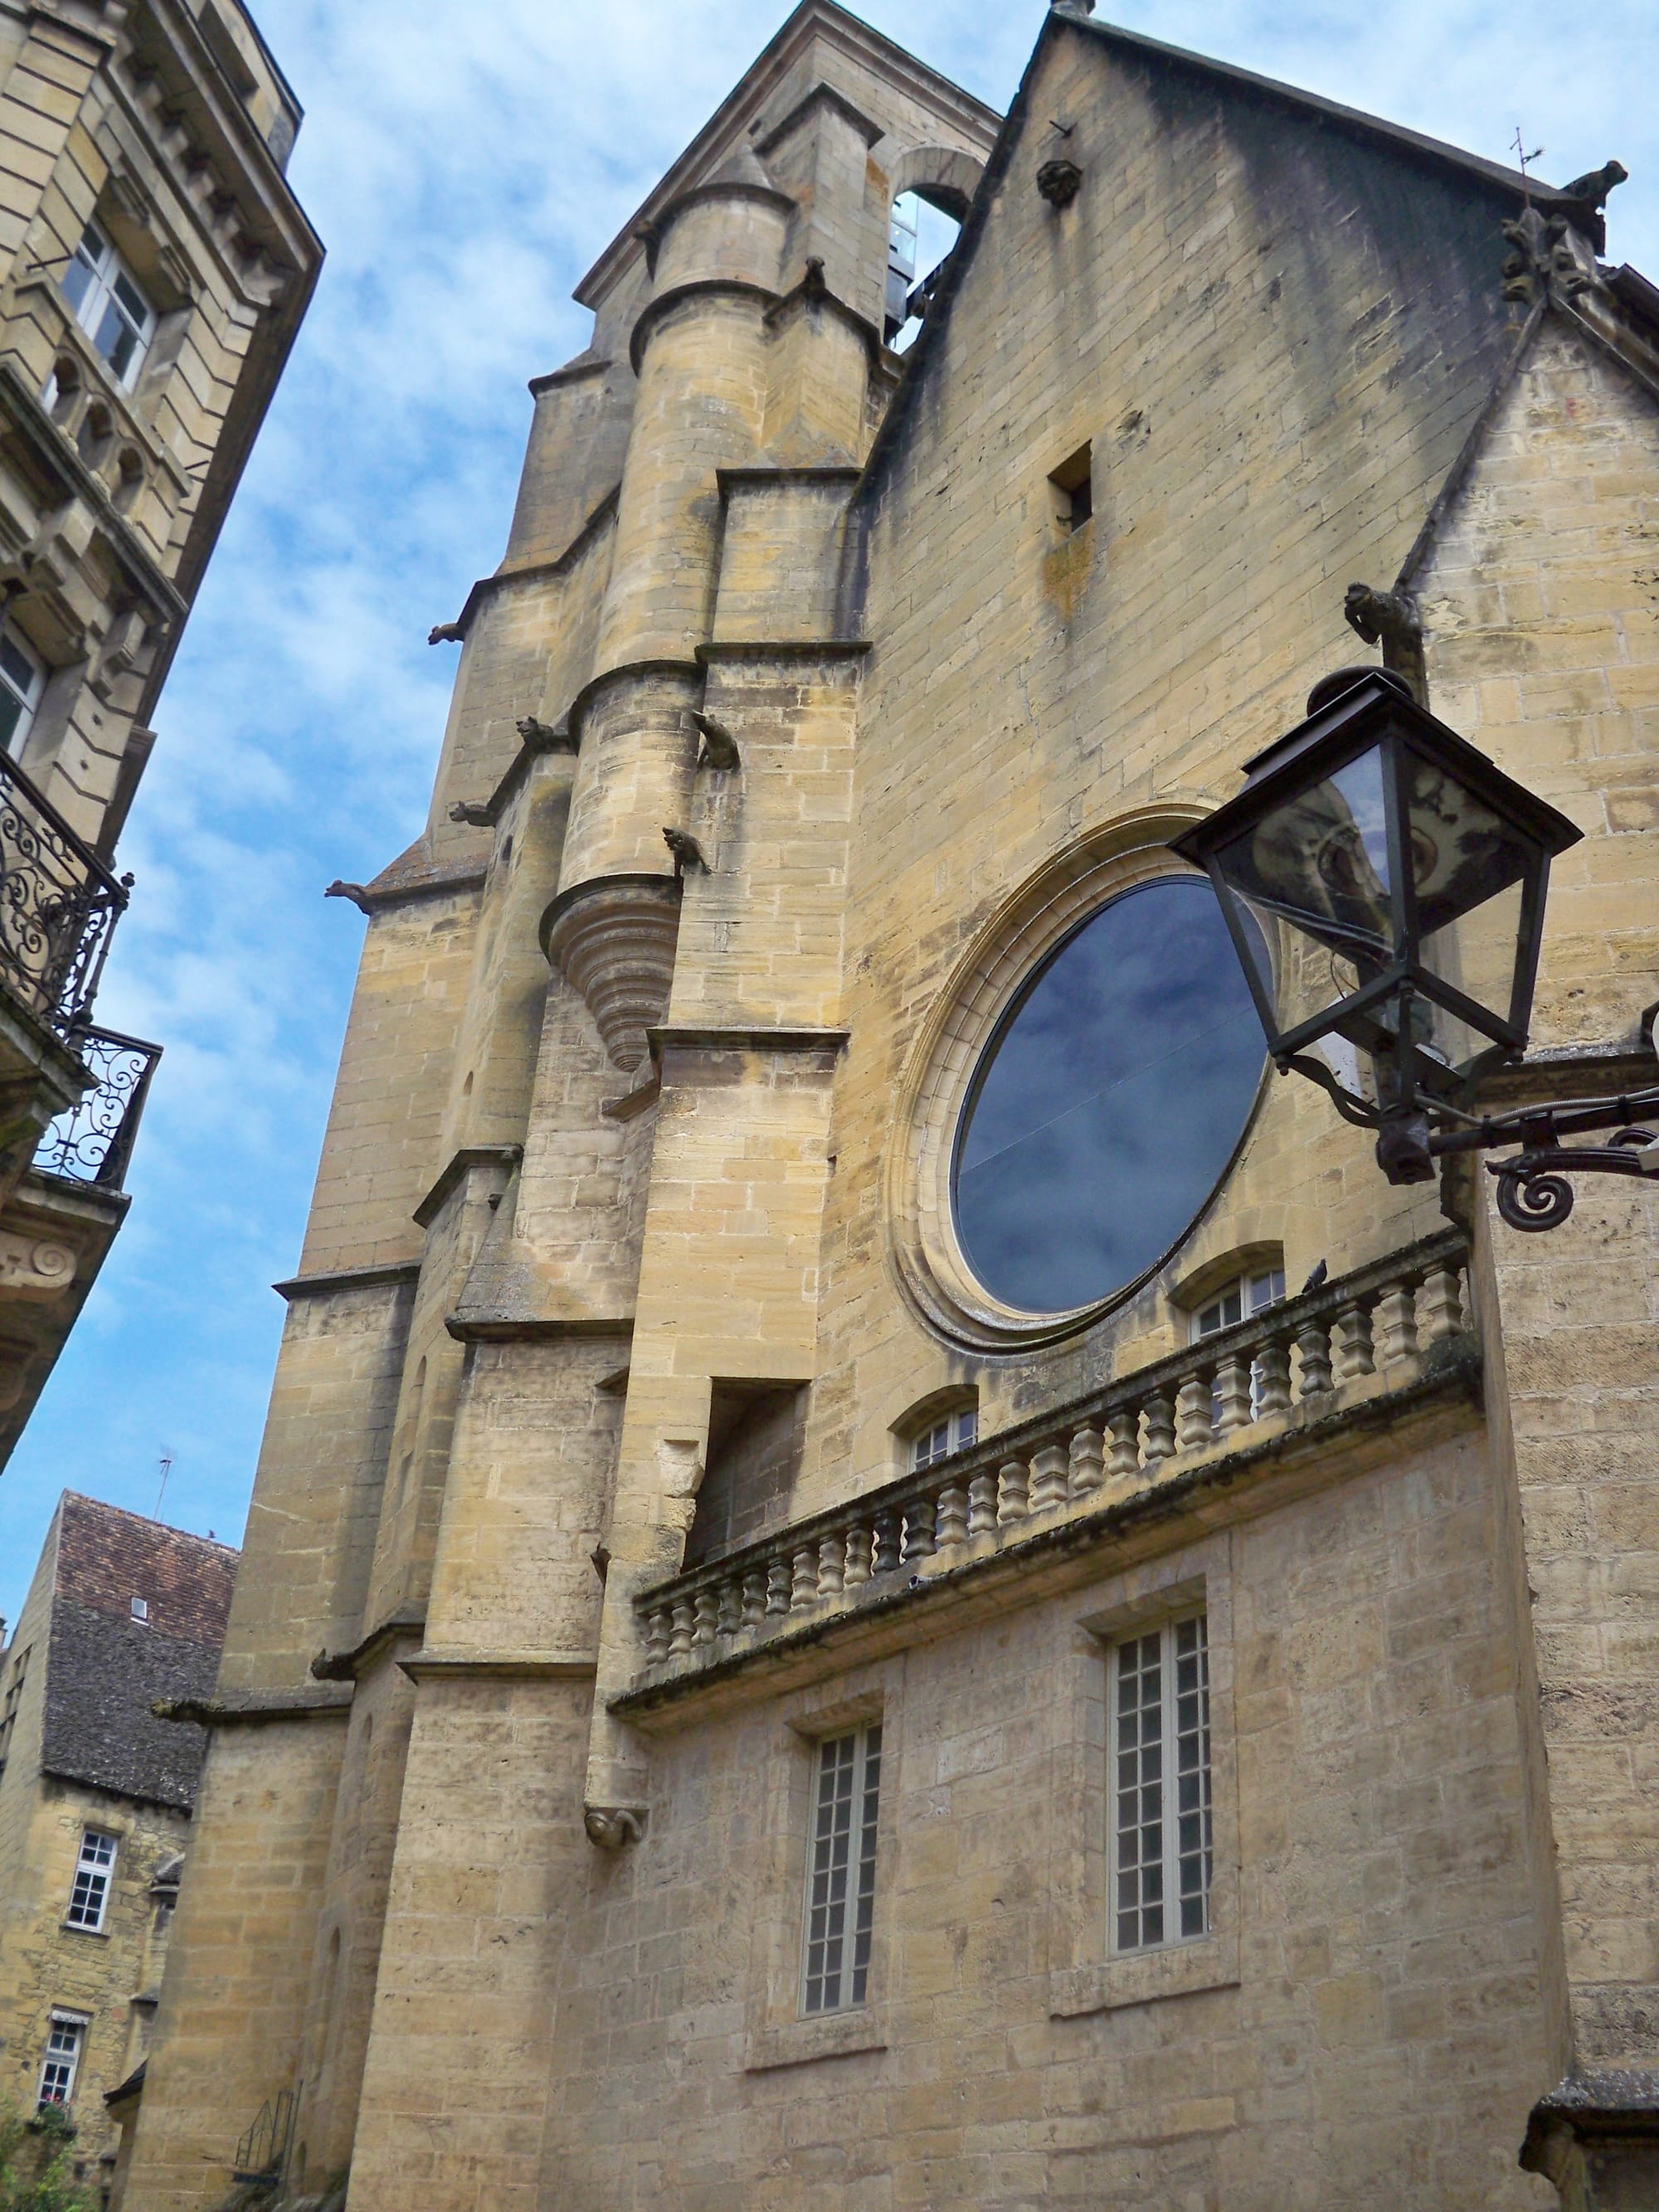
(464,160)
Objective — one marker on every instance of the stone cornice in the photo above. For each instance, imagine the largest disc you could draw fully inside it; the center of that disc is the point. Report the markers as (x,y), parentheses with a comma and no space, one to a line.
(345,1666)
(468,1157)
(438,1666)
(390,1273)
(259,1708)
(697,287)
(526,1329)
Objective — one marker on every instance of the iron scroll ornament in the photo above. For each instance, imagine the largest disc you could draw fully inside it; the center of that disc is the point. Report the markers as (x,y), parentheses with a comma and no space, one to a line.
(1533,1191)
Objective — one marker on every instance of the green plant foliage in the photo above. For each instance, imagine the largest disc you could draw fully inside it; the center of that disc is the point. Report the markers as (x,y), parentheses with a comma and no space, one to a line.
(37,2170)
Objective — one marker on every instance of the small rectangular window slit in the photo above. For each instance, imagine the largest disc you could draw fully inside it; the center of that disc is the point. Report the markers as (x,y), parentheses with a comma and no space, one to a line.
(1072,485)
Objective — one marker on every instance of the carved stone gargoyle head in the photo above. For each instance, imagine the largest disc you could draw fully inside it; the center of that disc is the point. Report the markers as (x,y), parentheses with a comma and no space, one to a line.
(613,1827)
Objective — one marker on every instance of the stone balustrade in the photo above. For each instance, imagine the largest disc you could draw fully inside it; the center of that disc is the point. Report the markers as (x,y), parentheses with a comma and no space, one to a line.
(1301,1361)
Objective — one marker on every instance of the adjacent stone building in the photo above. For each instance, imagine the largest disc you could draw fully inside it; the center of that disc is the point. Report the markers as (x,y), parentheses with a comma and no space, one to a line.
(95,1797)
(154,268)
(885,1571)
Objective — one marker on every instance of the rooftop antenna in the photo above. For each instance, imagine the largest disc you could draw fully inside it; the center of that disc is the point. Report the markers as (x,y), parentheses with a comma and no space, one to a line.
(1523,157)
(167,1469)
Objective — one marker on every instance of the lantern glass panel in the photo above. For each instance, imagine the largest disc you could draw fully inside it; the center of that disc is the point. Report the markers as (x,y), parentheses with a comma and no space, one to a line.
(1469,866)
(1313,871)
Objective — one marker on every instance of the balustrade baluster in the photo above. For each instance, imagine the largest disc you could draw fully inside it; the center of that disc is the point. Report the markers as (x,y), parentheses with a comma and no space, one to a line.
(1193,1413)
(804,1584)
(1051,1469)
(1312,1353)
(1160,1428)
(1233,1395)
(953,1528)
(1124,1425)
(982,1504)
(777,1585)
(1354,1354)
(1273,1368)
(858,1555)
(705,1614)
(1443,1305)
(1396,1313)
(754,1597)
(656,1635)
(919,1522)
(679,1640)
(1088,1458)
(1013,1501)
(887,1541)
(731,1609)
(832,1565)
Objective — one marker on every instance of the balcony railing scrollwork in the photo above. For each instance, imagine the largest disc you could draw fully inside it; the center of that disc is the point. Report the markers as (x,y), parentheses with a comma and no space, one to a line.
(58,905)
(92,1140)
(1327,1353)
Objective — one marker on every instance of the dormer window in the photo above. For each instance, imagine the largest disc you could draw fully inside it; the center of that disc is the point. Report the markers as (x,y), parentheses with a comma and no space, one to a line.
(1237,1300)
(110,305)
(951,1432)
(141,1608)
(23,681)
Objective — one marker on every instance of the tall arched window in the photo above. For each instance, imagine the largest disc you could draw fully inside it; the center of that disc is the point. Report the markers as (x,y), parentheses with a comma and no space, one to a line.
(919,239)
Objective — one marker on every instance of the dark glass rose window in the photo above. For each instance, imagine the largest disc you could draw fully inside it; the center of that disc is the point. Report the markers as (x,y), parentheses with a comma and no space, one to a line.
(1108,1101)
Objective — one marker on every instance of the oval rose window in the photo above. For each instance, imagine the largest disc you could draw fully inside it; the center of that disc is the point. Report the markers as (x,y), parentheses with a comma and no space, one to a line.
(1108,1101)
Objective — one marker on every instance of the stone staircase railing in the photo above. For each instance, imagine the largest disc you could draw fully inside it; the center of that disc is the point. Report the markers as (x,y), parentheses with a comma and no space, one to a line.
(1362,1337)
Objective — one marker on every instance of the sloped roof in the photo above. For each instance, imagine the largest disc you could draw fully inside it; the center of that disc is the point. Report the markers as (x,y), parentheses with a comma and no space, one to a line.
(104,1668)
(1311,103)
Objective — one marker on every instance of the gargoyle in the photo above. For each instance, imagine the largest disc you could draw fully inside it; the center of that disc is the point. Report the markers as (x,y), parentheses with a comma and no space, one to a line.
(1382,617)
(444,634)
(719,749)
(355,892)
(475,815)
(546,737)
(613,1827)
(687,853)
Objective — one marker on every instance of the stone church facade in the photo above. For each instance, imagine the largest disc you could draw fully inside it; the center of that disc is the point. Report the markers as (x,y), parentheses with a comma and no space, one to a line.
(885,1571)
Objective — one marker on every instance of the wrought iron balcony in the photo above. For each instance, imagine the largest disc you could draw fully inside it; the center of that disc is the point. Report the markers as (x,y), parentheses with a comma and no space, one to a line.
(58,905)
(92,1142)
(1356,1342)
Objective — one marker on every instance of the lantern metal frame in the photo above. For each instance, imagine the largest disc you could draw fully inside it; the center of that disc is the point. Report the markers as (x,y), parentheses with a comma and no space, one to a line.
(1420,1113)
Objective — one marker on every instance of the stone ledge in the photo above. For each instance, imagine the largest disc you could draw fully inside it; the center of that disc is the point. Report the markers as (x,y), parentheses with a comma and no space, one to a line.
(1179,1970)
(438,1665)
(257,1708)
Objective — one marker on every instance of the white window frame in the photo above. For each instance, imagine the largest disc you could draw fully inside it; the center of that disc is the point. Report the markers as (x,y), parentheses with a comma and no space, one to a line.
(838,1921)
(25,690)
(1252,1293)
(66,2045)
(951,1432)
(94,1878)
(1160,1787)
(92,283)
(139,1609)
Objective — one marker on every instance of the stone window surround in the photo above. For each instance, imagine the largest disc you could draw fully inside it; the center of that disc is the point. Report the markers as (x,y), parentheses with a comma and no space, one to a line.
(1085,1976)
(1029,924)
(776,2032)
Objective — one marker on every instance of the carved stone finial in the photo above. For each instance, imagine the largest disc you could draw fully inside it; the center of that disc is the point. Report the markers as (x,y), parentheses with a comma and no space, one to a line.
(613,1827)
(1060,182)
(355,892)
(1551,256)
(444,634)
(687,853)
(719,749)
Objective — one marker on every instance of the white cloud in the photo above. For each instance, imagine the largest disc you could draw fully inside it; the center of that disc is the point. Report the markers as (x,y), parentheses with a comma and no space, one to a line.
(465,160)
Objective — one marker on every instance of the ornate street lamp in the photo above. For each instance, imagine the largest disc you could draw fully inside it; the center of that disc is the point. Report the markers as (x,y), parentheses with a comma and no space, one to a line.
(1384,885)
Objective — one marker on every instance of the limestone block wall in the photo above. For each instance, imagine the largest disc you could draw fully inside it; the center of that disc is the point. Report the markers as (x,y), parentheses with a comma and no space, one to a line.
(246,1935)
(1368,2010)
